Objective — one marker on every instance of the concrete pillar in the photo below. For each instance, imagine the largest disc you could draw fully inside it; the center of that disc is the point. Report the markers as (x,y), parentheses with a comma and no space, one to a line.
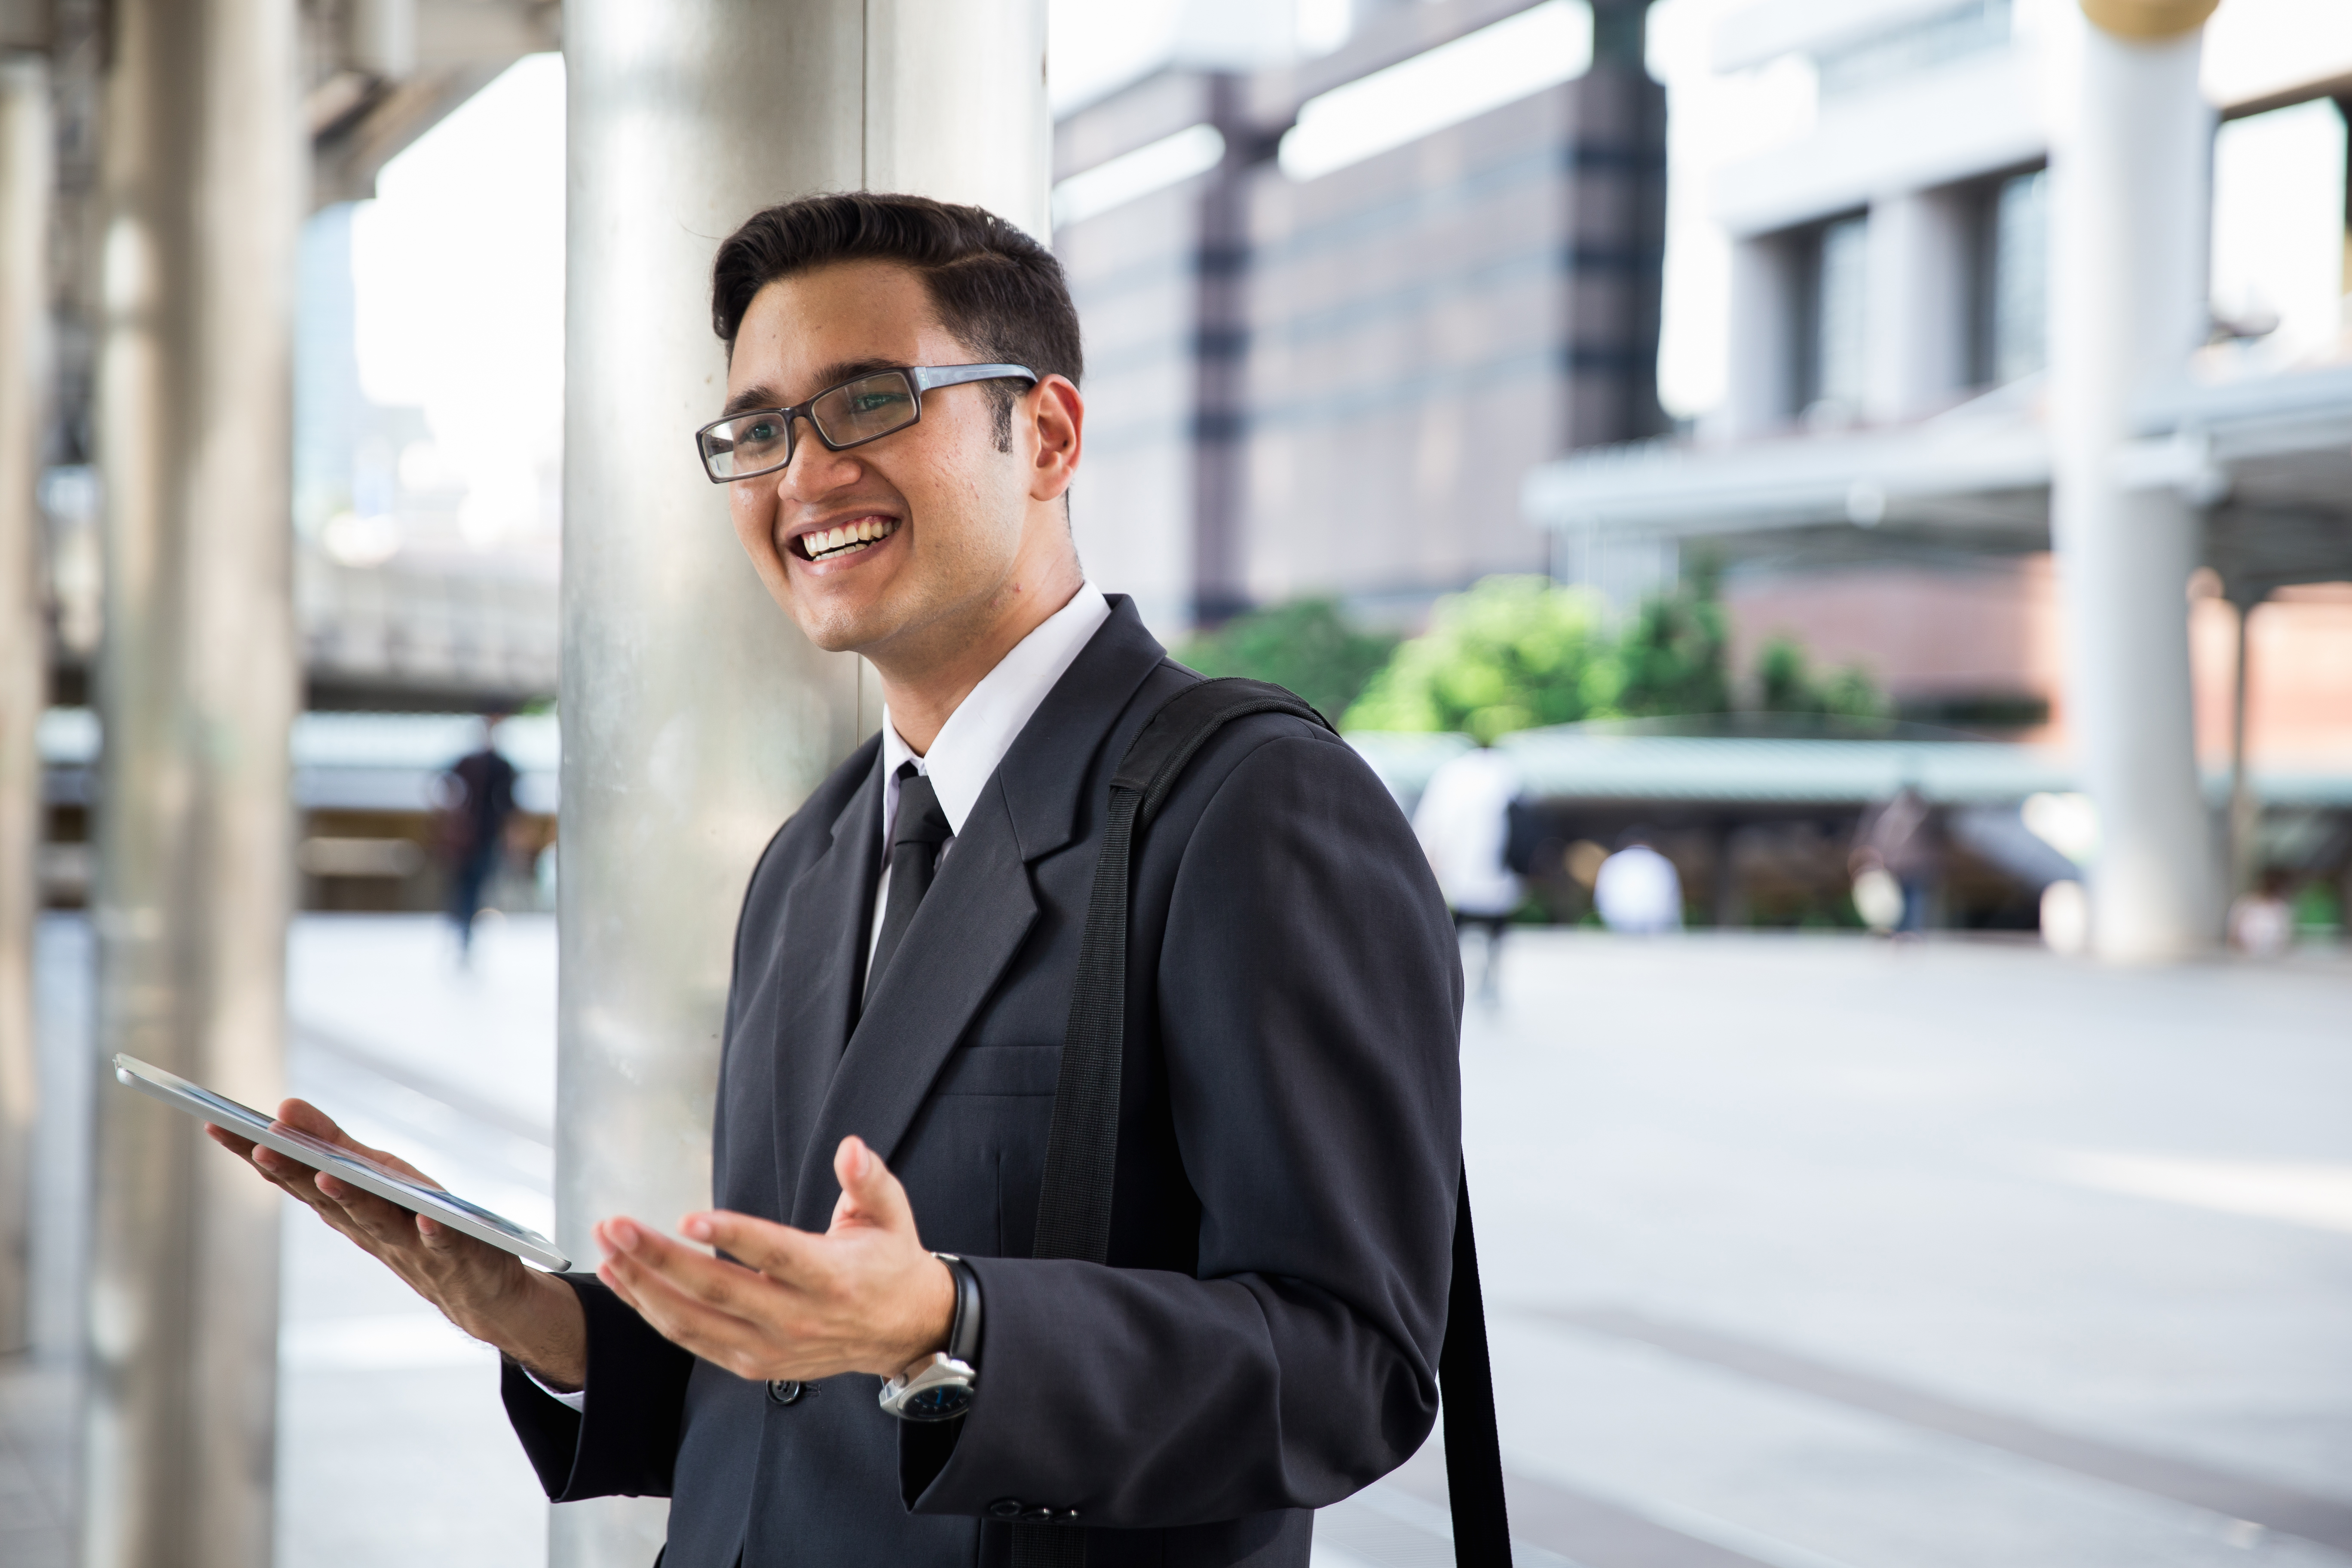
(695,717)
(1221,325)
(2129,178)
(1614,120)
(201,193)
(1916,348)
(1761,391)
(2246,810)
(27,158)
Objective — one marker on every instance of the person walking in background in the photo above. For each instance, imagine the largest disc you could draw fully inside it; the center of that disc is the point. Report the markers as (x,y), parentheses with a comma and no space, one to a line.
(1463,826)
(1638,891)
(478,797)
(1906,840)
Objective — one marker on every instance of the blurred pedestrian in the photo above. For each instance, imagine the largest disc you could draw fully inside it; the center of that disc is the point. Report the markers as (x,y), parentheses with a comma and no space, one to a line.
(1905,839)
(1463,823)
(477,797)
(1638,892)
(2262,921)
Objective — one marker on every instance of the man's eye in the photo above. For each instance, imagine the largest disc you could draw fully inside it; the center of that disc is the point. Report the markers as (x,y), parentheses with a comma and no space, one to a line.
(758,431)
(875,402)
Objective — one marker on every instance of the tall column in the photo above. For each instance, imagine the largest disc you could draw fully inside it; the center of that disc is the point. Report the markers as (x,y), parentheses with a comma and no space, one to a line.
(696,716)
(2129,181)
(1760,396)
(1916,341)
(201,192)
(1615,124)
(26,159)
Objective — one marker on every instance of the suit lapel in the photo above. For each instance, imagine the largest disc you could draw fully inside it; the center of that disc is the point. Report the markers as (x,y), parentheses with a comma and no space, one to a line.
(826,914)
(971,924)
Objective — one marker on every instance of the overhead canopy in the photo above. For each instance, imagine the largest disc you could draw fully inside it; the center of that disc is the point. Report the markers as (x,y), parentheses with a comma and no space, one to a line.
(1621,764)
(2270,456)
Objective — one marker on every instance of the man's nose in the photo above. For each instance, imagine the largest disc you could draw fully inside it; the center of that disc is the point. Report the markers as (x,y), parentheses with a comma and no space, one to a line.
(815,470)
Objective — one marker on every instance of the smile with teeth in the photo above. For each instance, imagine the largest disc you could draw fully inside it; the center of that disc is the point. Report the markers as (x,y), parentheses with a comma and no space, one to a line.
(829,543)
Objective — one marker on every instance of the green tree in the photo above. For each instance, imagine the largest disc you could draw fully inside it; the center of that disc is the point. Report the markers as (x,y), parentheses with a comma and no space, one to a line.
(1675,657)
(1308,645)
(1510,654)
(1786,680)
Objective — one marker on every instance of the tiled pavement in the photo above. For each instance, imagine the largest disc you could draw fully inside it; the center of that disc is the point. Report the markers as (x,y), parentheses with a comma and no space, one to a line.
(1804,1253)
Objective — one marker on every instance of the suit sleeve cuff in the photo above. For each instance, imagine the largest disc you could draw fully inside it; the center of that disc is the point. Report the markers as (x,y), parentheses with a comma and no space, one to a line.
(624,1443)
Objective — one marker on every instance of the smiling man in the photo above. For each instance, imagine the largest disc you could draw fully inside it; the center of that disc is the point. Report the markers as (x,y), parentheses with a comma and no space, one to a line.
(902,427)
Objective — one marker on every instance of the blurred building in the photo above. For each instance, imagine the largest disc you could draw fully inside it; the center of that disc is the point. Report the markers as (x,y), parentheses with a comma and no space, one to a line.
(1877,479)
(411,591)
(1335,310)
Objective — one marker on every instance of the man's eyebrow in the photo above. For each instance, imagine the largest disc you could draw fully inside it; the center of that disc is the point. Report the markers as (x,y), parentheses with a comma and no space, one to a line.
(762,396)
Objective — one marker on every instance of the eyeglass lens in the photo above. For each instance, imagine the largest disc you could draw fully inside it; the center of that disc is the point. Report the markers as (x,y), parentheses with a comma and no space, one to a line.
(844,416)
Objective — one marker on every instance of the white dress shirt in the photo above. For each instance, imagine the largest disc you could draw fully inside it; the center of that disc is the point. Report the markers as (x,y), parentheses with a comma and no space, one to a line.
(964,754)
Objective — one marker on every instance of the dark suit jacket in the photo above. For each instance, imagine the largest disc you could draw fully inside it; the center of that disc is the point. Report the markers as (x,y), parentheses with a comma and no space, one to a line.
(1265,1338)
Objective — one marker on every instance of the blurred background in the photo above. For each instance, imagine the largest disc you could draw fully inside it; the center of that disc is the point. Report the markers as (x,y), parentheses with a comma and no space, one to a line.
(1898,805)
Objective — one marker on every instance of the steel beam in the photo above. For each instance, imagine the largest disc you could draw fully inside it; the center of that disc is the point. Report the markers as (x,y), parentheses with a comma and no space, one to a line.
(695,717)
(26,159)
(201,192)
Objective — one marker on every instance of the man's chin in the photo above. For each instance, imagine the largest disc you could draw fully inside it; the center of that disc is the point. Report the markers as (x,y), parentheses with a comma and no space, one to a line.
(839,628)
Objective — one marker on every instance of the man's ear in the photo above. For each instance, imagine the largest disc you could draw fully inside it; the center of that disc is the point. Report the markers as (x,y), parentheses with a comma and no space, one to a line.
(1058,415)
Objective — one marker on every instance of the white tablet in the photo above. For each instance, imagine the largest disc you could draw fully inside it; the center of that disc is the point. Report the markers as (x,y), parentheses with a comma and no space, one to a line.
(343,1165)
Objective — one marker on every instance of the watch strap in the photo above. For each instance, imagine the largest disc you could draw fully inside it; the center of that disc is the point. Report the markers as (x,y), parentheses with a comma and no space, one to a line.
(963,1330)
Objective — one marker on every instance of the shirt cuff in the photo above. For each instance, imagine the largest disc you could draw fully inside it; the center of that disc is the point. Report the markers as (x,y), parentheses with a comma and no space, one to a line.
(576,1400)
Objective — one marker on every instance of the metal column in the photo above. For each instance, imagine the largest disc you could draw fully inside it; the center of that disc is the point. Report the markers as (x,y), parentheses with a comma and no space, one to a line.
(696,716)
(25,162)
(196,681)
(2127,307)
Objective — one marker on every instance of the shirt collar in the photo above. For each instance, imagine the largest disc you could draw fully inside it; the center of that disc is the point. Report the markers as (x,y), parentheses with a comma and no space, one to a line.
(990,719)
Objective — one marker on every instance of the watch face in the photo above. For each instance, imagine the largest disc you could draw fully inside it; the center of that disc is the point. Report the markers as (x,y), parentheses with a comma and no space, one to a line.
(938,1404)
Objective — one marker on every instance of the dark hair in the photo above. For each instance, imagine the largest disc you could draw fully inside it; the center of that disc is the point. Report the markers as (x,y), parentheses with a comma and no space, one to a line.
(999,291)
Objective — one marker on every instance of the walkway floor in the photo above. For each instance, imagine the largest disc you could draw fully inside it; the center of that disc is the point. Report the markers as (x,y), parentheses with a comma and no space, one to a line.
(1809,1253)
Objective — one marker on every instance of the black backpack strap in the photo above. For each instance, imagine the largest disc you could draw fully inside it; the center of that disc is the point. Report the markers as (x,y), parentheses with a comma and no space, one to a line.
(1473,1453)
(1082,1147)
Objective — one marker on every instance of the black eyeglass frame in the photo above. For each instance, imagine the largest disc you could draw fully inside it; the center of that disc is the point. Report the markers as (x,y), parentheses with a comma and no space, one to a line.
(922,378)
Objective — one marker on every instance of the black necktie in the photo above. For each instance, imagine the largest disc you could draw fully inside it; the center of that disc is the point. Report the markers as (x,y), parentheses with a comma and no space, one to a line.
(916,835)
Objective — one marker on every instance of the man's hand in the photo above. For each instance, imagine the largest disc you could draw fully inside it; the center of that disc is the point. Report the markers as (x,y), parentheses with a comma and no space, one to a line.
(532,1316)
(863,1297)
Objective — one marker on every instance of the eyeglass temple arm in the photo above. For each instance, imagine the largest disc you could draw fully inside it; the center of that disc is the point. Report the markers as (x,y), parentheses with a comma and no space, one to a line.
(926,377)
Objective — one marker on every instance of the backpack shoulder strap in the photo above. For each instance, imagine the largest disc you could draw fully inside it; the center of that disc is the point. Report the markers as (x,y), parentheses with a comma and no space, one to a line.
(1082,1147)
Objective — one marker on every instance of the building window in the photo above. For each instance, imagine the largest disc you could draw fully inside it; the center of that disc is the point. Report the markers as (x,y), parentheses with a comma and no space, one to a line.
(2010,336)
(1831,316)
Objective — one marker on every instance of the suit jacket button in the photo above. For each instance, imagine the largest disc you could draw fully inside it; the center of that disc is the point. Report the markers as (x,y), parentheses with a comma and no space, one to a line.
(1005,1507)
(784,1391)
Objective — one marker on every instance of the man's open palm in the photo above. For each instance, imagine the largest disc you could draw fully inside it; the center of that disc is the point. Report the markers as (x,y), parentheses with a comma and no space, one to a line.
(780,1303)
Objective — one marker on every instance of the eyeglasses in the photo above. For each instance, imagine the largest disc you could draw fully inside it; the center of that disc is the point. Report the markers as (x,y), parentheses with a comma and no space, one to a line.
(743,446)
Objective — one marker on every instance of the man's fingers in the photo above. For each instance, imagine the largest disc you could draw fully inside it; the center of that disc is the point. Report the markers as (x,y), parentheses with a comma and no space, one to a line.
(242,1147)
(714,1280)
(304,1117)
(870,1194)
(776,1250)
(387,1221)
(678,1315)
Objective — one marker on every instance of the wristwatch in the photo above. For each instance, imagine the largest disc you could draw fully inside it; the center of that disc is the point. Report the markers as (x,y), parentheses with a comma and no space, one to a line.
(940,1385)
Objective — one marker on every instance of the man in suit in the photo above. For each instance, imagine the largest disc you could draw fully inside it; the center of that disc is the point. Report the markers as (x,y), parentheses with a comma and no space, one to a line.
(903,424)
